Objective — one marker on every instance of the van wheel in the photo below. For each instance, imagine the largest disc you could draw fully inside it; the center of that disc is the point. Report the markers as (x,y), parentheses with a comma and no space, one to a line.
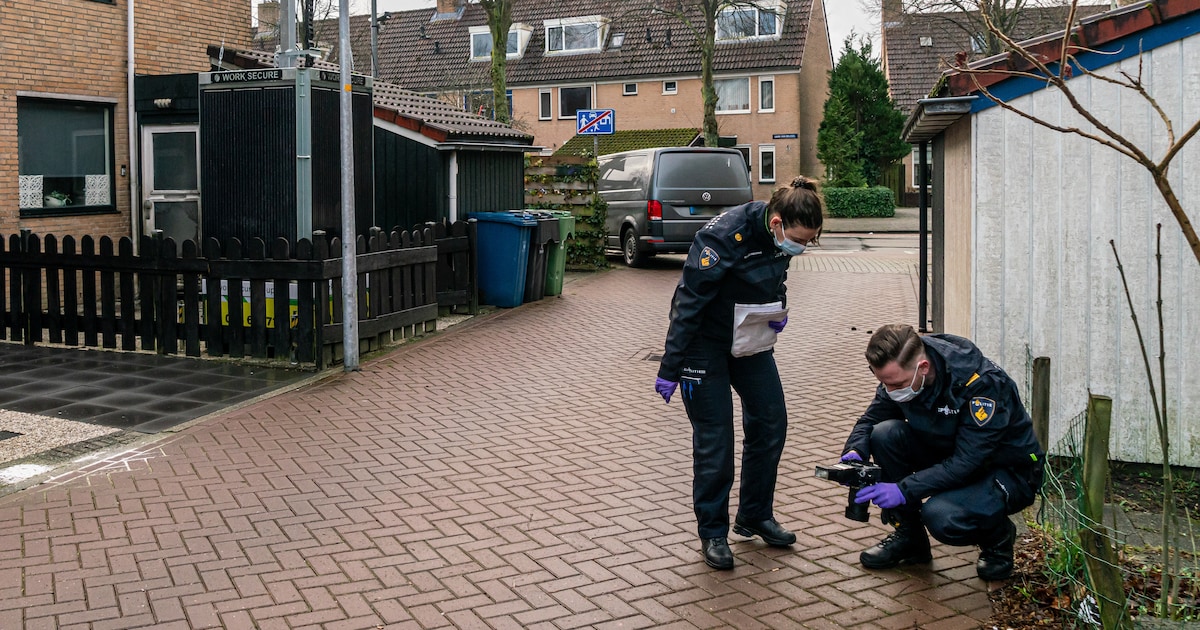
(631,250)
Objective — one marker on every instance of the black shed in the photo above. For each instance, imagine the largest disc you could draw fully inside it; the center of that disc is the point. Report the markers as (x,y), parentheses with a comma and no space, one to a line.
(434,161)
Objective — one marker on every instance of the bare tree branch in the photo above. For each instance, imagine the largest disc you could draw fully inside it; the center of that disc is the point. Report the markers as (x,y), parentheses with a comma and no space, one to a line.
(1044,123)
(1177,146)
(706,34)
(1058,80)
(1159,171)
(1136,85)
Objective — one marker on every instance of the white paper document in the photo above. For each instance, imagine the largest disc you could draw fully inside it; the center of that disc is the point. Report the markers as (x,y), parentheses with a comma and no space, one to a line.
(751,334)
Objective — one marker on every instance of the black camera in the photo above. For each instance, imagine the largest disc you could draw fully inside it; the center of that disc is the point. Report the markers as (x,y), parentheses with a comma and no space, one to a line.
(856,475)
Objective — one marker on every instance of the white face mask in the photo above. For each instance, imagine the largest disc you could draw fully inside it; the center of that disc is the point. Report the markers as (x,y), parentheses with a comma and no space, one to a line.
(908,393)
(787,245)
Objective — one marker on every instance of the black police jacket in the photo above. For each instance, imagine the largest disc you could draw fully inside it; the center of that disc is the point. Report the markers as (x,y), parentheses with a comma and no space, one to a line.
(733,260)
(972,411)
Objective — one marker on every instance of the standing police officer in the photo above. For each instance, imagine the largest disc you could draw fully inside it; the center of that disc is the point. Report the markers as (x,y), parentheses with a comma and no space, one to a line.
(727,310)
(948,428)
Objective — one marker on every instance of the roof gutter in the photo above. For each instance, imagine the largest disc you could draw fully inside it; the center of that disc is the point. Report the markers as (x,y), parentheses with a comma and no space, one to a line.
(486,146)
(933,115)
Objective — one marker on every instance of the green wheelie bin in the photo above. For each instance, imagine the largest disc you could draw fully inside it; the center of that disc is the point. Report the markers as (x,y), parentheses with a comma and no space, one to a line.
(556,258)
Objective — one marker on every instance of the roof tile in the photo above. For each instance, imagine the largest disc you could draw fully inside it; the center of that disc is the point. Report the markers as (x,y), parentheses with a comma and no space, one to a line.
(425,55)
(922,46)
(451,123)
(1094,32)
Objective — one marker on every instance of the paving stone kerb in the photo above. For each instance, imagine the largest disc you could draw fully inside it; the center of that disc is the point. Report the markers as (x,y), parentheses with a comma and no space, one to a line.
(516,472)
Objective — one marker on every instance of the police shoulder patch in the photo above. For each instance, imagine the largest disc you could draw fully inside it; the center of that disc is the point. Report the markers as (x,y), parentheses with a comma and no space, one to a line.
(982,409)
(708,258)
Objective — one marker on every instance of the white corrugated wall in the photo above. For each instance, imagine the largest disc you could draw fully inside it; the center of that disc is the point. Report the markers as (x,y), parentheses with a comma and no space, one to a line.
(1045,279)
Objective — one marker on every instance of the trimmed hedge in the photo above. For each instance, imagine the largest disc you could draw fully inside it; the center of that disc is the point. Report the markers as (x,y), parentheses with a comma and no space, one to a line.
(876,201)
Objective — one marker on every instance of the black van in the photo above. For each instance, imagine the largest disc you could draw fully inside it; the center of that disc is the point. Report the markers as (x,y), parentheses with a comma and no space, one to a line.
(658,198)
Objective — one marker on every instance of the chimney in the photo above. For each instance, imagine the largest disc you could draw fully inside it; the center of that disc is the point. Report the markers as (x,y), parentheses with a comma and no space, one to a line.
(893,12)
(449,6)
(268,16)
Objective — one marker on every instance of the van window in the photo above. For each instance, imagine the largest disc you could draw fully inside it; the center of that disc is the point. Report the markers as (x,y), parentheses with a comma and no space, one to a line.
(624,173)
(710,170)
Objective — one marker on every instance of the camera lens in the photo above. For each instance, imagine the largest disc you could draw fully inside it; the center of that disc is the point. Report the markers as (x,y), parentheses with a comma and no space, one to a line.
(856,511)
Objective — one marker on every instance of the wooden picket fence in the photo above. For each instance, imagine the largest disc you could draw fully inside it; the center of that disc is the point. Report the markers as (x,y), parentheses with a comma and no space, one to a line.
(457,265)
(269,301)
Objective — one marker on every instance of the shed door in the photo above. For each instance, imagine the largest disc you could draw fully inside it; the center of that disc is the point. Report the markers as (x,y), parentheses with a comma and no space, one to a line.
(171,181)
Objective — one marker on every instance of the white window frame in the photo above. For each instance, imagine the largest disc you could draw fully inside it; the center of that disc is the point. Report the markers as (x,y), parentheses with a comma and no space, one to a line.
(105,109)
(777,8)
(548,112)
(763,81)
(673,89)
(916,163)
(764,149)
(591,99)
(521,31)
(625,91)
(749,98)
(597,22)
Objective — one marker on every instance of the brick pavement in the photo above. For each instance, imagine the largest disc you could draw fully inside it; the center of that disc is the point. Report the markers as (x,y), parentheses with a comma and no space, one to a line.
(515,472)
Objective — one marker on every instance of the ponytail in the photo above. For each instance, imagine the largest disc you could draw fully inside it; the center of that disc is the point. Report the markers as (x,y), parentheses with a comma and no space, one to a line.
(801,181)
(799,203)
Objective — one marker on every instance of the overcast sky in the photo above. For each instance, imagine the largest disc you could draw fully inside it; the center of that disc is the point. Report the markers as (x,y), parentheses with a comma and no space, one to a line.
(843,16)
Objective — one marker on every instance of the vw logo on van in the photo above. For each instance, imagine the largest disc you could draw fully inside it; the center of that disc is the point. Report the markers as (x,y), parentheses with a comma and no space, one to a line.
(707,196)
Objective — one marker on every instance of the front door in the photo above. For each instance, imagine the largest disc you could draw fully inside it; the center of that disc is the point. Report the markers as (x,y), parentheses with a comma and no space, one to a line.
(171,181)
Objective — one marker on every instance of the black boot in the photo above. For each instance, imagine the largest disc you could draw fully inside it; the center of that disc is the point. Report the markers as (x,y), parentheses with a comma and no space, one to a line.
(770,530)
(909,544)
(996,559)
(716,553)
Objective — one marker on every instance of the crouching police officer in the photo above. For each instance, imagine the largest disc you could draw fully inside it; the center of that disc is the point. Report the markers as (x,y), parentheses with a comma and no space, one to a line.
(725,315)
(946,427)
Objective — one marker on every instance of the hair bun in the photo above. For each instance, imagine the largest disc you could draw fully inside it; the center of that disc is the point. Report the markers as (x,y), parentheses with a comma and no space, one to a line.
(804,182)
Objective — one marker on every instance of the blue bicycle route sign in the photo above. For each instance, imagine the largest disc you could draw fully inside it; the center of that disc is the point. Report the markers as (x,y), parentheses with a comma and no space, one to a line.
(595,122)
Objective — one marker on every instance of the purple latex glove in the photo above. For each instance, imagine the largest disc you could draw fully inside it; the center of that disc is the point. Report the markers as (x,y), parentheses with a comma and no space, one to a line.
(852,456)
(885,495)
(665,388)
(778,326)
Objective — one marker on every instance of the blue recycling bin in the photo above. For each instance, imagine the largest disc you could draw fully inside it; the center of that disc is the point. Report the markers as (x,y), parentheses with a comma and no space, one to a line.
(503,248)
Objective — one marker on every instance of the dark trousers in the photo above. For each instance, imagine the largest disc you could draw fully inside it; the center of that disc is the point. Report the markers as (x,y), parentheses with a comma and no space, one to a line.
(708,375)
(973,514)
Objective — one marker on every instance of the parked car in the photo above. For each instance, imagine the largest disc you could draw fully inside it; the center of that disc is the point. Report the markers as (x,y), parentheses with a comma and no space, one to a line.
(658,198)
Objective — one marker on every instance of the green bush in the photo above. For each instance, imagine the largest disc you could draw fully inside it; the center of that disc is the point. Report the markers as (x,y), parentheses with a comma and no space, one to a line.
(876,201)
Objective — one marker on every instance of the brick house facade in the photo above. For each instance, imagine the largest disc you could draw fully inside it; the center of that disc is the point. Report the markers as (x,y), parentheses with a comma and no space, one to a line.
(626,56)
(64,104)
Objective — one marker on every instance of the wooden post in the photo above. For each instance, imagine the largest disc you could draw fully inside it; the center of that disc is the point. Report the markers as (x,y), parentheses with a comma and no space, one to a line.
(1103,570)
(1041,401)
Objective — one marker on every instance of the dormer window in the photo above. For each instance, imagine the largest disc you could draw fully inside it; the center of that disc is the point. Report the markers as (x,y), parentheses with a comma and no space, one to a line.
(481,41)
(751,22)
(978,44)
(576,35)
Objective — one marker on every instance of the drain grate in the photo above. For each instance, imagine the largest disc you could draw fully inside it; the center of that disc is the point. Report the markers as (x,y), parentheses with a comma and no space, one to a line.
(4,435)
